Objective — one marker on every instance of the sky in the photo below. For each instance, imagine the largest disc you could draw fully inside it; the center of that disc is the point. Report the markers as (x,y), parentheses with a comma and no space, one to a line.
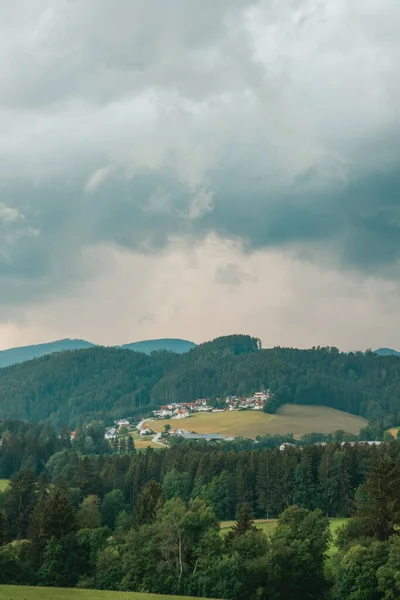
(192,169)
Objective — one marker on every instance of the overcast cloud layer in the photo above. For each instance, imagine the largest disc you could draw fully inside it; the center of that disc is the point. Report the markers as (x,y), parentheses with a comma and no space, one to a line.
(191,169)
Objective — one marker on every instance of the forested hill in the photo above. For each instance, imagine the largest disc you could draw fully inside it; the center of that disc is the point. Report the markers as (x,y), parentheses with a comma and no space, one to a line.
(170,344)
(72,387)
(13,356)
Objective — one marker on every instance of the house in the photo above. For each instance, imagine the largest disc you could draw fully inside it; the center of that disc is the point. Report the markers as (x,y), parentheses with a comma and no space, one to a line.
(110,433)
(122,423)
(258,405)
(144,430)
(286,446)
(262,396)
(182,414)
(73,434)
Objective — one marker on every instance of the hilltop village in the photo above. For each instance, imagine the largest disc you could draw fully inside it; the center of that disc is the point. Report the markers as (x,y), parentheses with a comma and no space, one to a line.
(184,410)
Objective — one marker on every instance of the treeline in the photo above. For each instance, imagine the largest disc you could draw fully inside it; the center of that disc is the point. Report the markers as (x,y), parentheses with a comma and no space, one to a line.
(150,522)
(268,481)
(107,383)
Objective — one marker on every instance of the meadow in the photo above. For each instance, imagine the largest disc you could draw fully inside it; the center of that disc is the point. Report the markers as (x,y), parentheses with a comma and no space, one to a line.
(10,592)
(143,441)
(3,484)
(290,418)
(268,526)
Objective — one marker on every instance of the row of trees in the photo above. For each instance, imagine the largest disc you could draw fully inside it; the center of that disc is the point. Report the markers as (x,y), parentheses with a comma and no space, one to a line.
(29,445)
(108,383)
(170,545)
(267,480)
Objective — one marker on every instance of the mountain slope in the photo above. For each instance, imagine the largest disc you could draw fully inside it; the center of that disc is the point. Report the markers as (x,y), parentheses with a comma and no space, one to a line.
(171,344)
(24,353)
(106,383)
(17,355)
(71,387)
(387,352)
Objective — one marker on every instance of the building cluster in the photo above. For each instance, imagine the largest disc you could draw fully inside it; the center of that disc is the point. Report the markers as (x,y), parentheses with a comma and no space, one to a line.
(183,410)
(255,402)
(112,432)
(287,445)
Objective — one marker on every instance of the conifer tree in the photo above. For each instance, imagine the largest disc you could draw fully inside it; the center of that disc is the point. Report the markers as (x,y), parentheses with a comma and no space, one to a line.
(378,506)
(243,524)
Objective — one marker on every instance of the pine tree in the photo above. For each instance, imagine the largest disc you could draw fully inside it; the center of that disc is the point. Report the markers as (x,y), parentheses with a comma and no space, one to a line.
(149,501)
(58,513)
(131,445)
(378,507)
(3,528)
(243,524)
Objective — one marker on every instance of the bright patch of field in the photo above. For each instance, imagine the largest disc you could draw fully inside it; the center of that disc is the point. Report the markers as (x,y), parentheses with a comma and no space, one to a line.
(290,418)
(4,484)
(335,525)
(10,592)
(143,441)
(394,431)
(268,526)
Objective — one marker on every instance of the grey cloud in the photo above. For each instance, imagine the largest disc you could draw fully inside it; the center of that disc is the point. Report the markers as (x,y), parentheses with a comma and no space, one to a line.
(259,121)
(232,274)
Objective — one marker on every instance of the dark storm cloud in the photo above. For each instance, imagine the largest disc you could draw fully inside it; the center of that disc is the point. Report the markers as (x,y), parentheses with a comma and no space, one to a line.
(272,124)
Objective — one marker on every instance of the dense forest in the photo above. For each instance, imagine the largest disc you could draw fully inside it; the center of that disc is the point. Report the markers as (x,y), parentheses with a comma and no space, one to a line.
(150,521)
(105,383)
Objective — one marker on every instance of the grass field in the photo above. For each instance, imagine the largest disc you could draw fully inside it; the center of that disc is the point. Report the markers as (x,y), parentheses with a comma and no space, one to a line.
(290,418)
(394,431)
(268,525)
(3,484)
(143,442)
(10,592)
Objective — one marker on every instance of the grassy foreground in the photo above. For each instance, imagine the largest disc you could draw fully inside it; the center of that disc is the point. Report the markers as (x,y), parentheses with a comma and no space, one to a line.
(290,418)
(11,592)
(3,484)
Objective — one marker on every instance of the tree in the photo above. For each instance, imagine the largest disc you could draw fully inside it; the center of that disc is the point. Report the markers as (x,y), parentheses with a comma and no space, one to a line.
(378,505)
(59,518)
(20,502)
(149,501)
(243,524)
(123,431)
(298,549)
(3,528)
(64,562)
(388,575)
(112,505)
(131,445)
(89,516)
(357,577)
(176,485)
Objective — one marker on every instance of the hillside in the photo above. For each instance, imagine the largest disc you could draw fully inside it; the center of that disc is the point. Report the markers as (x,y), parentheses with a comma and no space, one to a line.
(14,356)
(169,344)
(24,353)
(387,352)
(70,387)
(298,420)
(109,382)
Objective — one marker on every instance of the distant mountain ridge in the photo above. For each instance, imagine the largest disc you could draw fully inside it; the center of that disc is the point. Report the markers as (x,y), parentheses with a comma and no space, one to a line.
(172,344)
(387,352)
(104,384)
(21,354)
